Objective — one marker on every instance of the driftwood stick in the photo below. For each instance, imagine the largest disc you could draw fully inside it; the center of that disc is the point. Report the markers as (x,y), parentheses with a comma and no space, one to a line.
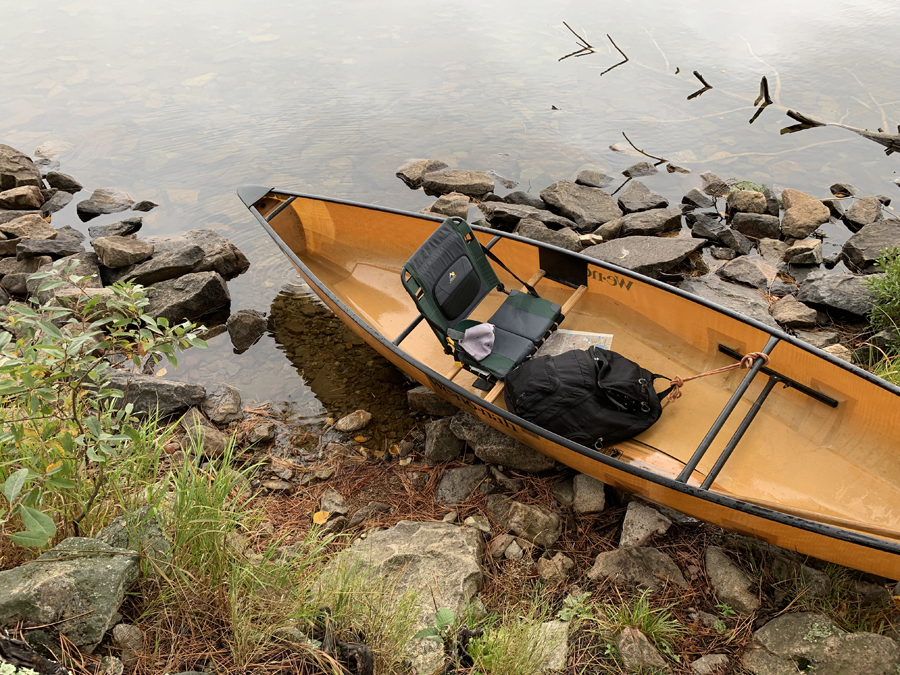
(763,92)
(584,43)
(702,81)
(646,154)
(622,62)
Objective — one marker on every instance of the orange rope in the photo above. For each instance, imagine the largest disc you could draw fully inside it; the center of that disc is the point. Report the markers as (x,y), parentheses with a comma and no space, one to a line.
(746,362)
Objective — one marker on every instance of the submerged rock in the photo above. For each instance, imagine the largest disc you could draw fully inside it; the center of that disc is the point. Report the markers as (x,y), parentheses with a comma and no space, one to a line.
(412,171)
(103,200)
(467,182)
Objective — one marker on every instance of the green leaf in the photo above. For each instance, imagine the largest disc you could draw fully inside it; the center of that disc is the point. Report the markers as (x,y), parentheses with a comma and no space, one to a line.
(29,539)
(35,521)
(62,483)
(13,485)
(431,631)
(443,618)
(50,329)
(93,424)
(50,284)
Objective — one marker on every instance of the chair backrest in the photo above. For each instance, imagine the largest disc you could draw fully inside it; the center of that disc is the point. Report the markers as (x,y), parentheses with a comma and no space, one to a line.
(448,276)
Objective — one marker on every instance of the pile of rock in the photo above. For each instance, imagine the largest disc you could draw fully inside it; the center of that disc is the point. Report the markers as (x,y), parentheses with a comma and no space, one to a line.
(763,256)
(188,272)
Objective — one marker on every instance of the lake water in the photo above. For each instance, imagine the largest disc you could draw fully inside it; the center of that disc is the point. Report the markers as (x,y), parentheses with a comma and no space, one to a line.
(181,102)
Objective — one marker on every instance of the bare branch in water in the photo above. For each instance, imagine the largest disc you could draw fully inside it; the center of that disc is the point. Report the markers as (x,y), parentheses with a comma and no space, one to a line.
(702,81)
(890,142)
(585,46)
(660,160)
(763,92)
(622,62)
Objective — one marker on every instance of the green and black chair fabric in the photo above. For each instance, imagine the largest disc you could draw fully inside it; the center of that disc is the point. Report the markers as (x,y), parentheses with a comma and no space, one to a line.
(447,278)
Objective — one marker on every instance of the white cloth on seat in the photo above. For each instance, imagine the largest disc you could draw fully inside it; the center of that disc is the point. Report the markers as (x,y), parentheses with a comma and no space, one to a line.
(478,341)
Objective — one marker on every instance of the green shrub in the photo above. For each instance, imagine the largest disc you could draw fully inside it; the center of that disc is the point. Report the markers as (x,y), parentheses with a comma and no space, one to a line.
(885,291)
(62,427)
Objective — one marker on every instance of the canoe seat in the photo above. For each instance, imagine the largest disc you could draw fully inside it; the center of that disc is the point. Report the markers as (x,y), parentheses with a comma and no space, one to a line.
(449,276)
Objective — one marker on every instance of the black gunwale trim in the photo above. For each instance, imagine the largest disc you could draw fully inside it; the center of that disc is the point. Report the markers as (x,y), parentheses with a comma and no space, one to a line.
(814,527)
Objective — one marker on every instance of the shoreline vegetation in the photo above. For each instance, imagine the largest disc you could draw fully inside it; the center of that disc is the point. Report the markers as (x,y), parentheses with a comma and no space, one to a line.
(149,526)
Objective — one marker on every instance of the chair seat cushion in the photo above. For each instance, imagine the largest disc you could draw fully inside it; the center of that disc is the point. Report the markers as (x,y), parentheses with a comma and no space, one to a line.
(526,316)
(509,350)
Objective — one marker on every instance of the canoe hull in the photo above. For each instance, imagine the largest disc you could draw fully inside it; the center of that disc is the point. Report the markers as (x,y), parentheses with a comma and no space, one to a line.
(790,532)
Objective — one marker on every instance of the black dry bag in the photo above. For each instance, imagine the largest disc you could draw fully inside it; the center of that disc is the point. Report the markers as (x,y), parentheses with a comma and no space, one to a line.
(594,397)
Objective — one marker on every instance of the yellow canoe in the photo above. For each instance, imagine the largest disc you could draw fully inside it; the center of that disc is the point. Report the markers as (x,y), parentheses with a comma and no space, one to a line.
(814,467)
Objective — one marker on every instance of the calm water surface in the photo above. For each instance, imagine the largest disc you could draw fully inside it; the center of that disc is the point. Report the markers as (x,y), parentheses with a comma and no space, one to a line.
(181,102)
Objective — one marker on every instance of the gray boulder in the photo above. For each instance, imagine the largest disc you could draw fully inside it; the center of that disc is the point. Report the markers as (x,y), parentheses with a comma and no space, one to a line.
(711,664)
(593,178)
(740,299)
(441,444)
(744,271)
(638,653)
(713,185)
(641,566)
(63,182)
(804,252)
(245,327)
(640,170)
(525,199)
(26,197)
(494,447)
(651,223)
(638,197)
(865,247)
(802,214)
(500,213)
(453,204)
(440,562)
(534,523)
(836,290)
(115,251)
(77,586)
(219,254)
(820,339)
(52,248)
(412,170)
(650,256)
(588,207)
(87,266)
(809,638)
(757,225)
(423,400)
(31,226)
(864,212)
(467,182)
(640,524)
(697,199)
(565,238)
(773,208)
(706,227)
(736,241)
(150,394)
(164,265)
(17,169)
(103,200)
(457,484)
(791,313)
(589,494)
(189,297)
(120,229)
(772,250)
(56,203)
(203,435)
(9,216)
(223,405)
(729,582)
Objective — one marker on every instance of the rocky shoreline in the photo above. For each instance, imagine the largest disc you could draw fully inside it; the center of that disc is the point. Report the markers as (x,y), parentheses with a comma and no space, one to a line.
(456,510)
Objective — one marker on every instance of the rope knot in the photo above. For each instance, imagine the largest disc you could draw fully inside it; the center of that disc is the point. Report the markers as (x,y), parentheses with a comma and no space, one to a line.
(748,360)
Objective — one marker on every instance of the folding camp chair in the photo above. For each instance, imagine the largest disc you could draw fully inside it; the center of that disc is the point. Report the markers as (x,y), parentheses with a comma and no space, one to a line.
(447,278)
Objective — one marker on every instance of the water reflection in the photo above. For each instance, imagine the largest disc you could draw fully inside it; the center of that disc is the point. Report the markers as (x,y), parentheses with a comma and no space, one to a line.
(182,102)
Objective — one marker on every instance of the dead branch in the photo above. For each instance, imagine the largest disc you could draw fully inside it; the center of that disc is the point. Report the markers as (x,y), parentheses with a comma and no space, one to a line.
(763,92)
(702,81)
(622,62)
(891,142)
(645,154)
(585,47)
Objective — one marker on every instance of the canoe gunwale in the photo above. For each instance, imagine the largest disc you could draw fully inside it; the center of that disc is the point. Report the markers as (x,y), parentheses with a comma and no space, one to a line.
(718,499)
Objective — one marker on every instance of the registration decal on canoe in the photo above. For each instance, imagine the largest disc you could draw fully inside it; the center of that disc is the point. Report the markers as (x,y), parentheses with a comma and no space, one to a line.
(611,279)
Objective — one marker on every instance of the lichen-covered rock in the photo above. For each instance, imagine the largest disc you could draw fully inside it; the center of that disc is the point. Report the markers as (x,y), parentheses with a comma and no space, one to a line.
(640,566)
(77,587)
(729,582)
(589,494)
